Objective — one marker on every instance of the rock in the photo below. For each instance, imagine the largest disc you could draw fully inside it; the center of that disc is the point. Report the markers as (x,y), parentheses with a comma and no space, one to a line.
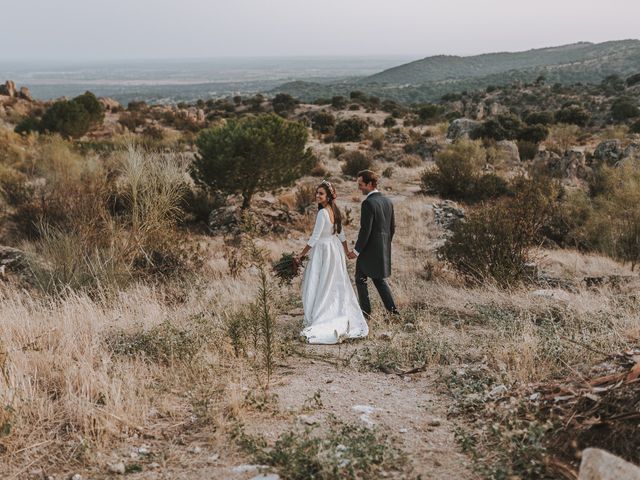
(118,468)
(109,104)
(462,128)
(403,430)
(195,450)
(510,150)
(154,465)
(385,336)
(267,476)
(574,165)
(447,213)
(434,422)
(25,94)
(213,459)
(552,293)
(75,476)
(608,151)
(263,217)
(497,109)
(497,391)
(9,89)
(630,155)
(200,116)
(308,419)
(478,112)
(13,259)
(247,468)
(598,464)
(409,327)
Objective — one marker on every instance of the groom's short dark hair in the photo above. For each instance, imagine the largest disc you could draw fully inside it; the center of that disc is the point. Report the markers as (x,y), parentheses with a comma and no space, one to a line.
(369,177)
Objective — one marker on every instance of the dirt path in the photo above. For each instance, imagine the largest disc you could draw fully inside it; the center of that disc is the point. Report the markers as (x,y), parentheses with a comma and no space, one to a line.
(310,389)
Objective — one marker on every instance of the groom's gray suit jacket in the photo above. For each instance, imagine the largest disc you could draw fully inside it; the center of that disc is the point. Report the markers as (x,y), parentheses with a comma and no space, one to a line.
(377,226)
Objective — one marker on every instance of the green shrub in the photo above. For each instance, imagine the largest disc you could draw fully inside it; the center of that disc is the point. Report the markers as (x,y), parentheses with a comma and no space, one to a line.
(354,162)
(323,122)
(495,241)
(458,166)
(624,108)
(252,154)
(73,118)
(527,150)
(542,118)
(337,150)
(534,133)
(283,104)
(28,125)
(573,114)
(502,127)
(389,122)
(429,113)
(350,130)
(635,127)
(338,102)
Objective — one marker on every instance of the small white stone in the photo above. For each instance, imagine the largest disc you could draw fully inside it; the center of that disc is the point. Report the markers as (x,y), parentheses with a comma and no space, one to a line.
(213,459)
(154,465)
(117,468)
(403,430)
(434,422)
(144,450)
(76,476)
(195,450)
(499,390)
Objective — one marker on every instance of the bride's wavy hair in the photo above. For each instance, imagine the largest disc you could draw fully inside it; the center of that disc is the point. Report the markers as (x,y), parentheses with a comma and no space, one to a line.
(330,191)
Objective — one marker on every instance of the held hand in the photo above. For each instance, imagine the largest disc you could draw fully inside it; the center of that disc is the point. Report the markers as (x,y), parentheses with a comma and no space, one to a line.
(351,256)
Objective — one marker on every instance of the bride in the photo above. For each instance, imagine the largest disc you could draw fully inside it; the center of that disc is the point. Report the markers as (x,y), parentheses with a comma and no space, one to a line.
(331,310)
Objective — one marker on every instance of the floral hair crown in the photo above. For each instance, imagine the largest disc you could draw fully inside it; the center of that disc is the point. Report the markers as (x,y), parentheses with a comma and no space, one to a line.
(332,191)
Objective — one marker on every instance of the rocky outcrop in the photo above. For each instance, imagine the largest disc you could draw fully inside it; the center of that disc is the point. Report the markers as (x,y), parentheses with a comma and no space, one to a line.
(9,89)
(599,464)
(447,214)
(25,94)
(608,151)
(263,218)
(572,166)
(509,150)
(462,128)
(109,104)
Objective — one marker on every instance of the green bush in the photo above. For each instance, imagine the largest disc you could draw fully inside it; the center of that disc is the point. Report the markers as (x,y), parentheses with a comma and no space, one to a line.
(635,127)
(350,129)
(338,102)
(458,166)
(527,150)
(534,133)
(542,118)
(354,162)
(502,127)
(573,114)
(494,243)
(73,118)
(323,122)
(429,113)
(389,122)
(283,104)
(624,108)
(252,154)
(28,125)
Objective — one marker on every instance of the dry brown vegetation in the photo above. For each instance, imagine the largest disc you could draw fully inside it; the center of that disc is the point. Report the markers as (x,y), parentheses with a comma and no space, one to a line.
(139,340)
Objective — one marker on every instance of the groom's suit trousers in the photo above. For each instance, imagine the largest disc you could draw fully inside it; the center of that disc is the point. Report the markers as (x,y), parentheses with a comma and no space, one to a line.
(363,292)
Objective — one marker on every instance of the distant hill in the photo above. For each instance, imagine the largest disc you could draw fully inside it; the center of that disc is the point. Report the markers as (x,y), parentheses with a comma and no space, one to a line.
(428,79)
(577,57)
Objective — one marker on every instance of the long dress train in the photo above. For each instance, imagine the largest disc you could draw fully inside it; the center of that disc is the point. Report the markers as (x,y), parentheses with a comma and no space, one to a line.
(331,309)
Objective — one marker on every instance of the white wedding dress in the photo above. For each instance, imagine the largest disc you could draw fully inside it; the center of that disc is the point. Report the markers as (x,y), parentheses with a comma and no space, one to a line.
(331,310)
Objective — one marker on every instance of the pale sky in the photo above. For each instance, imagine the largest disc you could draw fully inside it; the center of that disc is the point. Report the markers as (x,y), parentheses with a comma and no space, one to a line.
(133,29)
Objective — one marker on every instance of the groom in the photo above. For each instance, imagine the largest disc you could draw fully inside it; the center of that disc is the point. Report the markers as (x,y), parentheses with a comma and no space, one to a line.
(373,248)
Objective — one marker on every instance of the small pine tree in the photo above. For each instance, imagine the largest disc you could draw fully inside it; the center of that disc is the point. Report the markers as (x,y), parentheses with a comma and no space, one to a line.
(252,154)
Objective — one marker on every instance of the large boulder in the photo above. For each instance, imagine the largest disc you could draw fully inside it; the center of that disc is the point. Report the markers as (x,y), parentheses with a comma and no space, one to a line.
(608,151)
(447,214)
(509,150)
(263,217)
(462,128)
(630,155)
(25,94)
(9,89)
(599,464)
(109,104)
(574,165)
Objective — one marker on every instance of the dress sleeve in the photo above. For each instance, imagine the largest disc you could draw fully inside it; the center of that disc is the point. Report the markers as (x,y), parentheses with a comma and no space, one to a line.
(341,236)
(317,230)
